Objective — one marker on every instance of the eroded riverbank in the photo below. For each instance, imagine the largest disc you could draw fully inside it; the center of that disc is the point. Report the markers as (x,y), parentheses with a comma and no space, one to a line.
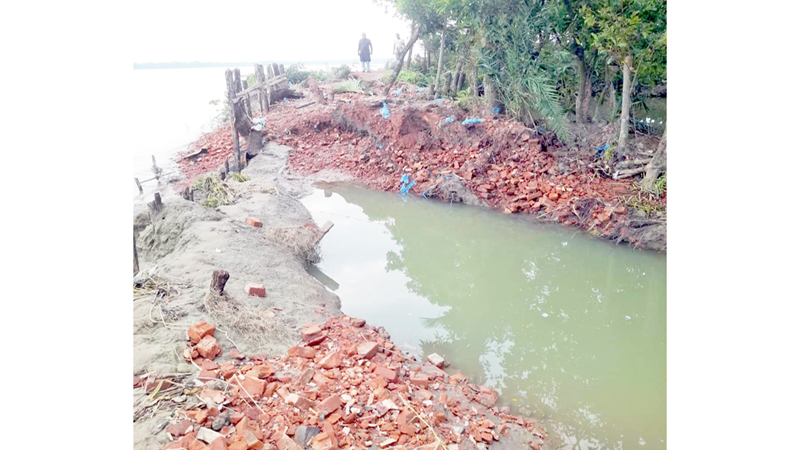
(178,251)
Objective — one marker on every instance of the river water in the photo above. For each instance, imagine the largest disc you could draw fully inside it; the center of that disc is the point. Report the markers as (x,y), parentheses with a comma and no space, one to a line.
(569,329)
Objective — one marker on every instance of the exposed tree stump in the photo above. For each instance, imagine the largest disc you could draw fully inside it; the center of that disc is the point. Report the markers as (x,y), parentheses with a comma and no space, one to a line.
(218,280)
(155,207)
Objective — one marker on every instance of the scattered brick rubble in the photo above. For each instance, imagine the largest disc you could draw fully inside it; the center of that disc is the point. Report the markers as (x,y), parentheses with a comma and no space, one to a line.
(509,166)
(343,387)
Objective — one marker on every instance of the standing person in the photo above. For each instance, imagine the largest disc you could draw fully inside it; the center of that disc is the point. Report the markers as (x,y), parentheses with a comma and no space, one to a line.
(398,47)
(364,51)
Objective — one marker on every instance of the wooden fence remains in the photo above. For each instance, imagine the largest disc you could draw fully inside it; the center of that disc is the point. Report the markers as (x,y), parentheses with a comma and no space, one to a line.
(271,86)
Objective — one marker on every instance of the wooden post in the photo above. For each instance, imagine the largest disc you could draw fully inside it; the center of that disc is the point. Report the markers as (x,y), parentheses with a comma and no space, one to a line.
(247,105)
(139,185)
(270,75)
(218,280)
(156,170)
(324,228)
(262,92)
(232,105)
(135,257)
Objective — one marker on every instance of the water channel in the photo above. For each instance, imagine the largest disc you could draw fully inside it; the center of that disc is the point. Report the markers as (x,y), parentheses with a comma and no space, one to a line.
(569,329)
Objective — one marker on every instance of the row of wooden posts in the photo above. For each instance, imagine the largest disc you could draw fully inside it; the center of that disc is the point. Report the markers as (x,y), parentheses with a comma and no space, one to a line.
(241,98)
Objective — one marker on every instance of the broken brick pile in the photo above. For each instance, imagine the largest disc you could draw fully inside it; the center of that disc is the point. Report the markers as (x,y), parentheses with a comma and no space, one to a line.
(344,386)
(501,161)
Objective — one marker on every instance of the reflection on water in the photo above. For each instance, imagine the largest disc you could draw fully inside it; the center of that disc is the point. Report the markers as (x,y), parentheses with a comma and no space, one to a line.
(568,329)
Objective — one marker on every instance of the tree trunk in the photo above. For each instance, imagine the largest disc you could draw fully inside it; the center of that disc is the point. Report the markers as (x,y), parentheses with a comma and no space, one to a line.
(408,64)
(441,58)
(473,80)
(445,90)
(657,165)
(399,67)
(580,68)
(585,69)
(626,103)
(489,92)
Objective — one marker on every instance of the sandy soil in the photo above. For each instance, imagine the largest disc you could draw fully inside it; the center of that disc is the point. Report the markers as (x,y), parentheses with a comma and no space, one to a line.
(190,241)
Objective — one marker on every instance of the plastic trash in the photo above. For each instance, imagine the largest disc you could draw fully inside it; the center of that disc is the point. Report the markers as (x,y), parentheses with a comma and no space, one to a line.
(285,101)
(472,121)
(439,100)
(398,91)
(496,110)
(404,184)
(405,189)
(258,124)
(449,120)
(545,315)
(385,110)
(603,148)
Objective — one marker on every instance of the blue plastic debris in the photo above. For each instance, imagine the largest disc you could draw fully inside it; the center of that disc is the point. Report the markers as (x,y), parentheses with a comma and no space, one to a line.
(285,101)
(258,124)
(449,120)
(385,110)
(471,121)
(290,83)
(398,91)
(405,189)
(439,100)
(496,110)
(603,148)
(404,185)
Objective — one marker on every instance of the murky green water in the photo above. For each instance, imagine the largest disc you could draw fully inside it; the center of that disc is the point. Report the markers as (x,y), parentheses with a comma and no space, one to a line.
(569,329)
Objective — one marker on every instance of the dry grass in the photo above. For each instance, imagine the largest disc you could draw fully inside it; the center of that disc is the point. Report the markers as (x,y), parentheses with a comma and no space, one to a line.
(243,321)
(300,240)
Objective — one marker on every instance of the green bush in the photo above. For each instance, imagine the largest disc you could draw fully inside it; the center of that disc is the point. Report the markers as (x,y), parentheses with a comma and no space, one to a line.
(297,73)
(341,72)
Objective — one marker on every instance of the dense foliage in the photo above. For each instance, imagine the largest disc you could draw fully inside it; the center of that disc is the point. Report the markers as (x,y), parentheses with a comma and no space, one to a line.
(545,59)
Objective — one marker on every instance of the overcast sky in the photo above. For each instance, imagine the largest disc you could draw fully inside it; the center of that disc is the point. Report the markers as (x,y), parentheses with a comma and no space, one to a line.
(308,30)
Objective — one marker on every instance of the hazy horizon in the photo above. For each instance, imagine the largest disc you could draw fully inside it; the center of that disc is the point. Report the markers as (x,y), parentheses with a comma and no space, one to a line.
(305,30)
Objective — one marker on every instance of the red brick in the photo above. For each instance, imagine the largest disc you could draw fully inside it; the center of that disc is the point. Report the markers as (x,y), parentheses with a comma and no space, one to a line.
(305,377)
(298,401)
(358,323)
(227,369)
(270,389)
(255,289)
(311,332)
(240,445)
(208,347)
(321,379)
(306,352)
(331,361)
(367,350)
(419,379)
(329,405)
(136,381)
(180,428)
(260,371)
(209,365)
(254,222)
(208,374)
(194,444)
(389,374)
(218,444)
(284,442)
(236,417)
(252,441)
(322,442)
(214,394)
(235,354)
(487,397)
(254,386)
(201,330)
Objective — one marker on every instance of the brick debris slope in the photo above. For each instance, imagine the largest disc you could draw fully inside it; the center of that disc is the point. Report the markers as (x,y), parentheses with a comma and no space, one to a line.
(345,386)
